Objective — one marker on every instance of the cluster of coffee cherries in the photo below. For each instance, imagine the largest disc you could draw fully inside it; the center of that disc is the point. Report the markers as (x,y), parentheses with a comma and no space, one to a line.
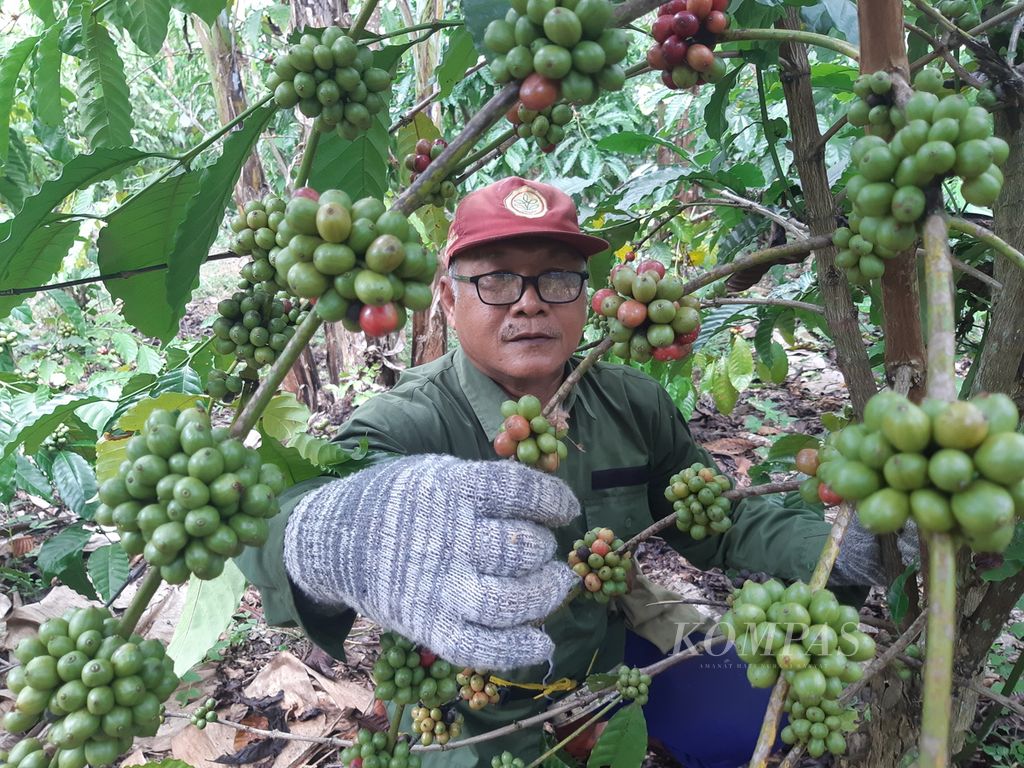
(57,440)
(188,496)
(685,34)
(910,152)
(812,640)
(66,330)
(560,49)
(963,13)
(329,77)
(7,340)
(507,760)
(646,314)
(256,233)
(476,689)
(361,263)
(545,126)
(423,154)
(436,725)
(602,570)
(371,750)
(205,713)
(97,690)
(696,496)
(952,466)
(405,673)
(530,437)
(254,326)
(633,685)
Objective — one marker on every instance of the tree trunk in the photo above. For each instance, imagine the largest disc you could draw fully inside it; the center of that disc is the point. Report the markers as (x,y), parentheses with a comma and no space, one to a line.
(226,74)
(809,157)
(317,13)
(999,369)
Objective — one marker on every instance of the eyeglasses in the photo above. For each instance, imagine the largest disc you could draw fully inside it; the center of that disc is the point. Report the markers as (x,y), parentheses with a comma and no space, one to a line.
(502,288)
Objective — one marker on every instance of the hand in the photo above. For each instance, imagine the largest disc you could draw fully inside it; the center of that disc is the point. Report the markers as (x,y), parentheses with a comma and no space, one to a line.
(455,555)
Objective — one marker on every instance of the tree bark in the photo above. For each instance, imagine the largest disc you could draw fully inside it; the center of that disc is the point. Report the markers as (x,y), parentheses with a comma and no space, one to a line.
(225,67)
(317,13)
(809,157)
(999,369)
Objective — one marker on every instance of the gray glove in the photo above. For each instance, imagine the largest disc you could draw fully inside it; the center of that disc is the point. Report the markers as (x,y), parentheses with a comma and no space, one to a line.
(455,555)
(860,556)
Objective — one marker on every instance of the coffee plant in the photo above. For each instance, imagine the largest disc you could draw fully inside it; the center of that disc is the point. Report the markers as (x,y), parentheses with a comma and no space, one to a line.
(698,146)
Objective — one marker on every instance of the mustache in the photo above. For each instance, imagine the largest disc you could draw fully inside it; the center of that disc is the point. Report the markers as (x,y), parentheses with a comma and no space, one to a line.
(511,332)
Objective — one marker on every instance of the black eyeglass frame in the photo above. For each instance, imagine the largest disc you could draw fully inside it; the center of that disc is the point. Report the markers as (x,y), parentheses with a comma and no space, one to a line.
(525,280)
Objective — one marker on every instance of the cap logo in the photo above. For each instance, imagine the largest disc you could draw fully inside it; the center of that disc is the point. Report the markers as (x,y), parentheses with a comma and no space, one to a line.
(526,202)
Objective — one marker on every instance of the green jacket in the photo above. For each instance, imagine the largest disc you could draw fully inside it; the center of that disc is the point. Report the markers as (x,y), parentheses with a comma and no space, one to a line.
(626,438)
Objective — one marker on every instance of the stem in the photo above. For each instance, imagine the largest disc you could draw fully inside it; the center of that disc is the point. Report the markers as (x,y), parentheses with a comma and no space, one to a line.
(268,387)
(396,723)
(941,20)
(831,550)
(441,167)
(435,26)
(804,305)
(985,26)
(480,153)
(224,129)
(493,155)
(356,31)
(570,381)
(771,139)
(307,158)
(597,716)
(941,312)
(792,36)
(735,494)
(147,589)
(409,116)
(885,659)
(938,668)
(100,6)
(758,257)
(987,236)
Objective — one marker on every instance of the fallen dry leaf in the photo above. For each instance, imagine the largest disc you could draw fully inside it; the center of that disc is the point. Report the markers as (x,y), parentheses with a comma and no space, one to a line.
(25,620)
(730,446)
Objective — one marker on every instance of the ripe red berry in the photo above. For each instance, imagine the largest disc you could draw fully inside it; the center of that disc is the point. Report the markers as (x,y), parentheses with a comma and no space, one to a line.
(828,497)
(685,24)
(699,8)
(600,547)
(309,192)
(423,147)
(651,265)
(504,445)
(377,321)
(655,58)
(427,657)
(661,28)
(599,296)
(674,50)
(421,163)
(700,57)
(666,78)
(517,427)
(513,114)
(538,92)
(688,338)
(719,5)
(672,7)
(716,23)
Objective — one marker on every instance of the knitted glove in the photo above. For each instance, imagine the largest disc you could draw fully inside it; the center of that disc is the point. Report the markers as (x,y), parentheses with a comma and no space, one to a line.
(455,555)
(860,558)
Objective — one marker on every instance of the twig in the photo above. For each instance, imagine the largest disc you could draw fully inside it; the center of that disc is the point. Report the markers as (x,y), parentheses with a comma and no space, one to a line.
(977,274)
(494,154)
(735,494)
(942,21)
(758,257)
(1009,685)
(657,228)
(570,381)
(307,157)
(881,662)
(427,100)
(792,226)
(792,35)
(987,236)
(1011,52)
(771,138)
(365,12)
(985,26)
(145,593)
(273,733)
(770,302)
(589,722)
(955,65)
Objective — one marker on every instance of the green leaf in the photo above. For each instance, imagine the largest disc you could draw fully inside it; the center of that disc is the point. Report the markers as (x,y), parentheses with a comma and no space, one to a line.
(1013,559)
(29,479)
(81,172)
(207,10)
(39,258)
(147,23)
(75,482)
(827,15)
(788,445)
(46,78)
(198,227)
(623,743)
(109,455)
(104,103)
(362,164)
(635,143)
(459,56)
(779,369)
(480,13)
(897,596)
(15,184)
(56,554)
(285,417)
(135,417)
(31,433)
(432,223)
(722,390)
(741,364)
(601,681)
(43,9)
(288,460)
(316,450)
(10,67)
(715,120)
(108,569)
(209,606)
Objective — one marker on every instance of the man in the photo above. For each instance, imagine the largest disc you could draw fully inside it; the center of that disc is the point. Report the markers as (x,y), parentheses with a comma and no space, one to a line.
(455,549)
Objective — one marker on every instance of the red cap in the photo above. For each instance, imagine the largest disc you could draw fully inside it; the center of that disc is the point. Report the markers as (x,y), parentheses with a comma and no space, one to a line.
(516,207)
